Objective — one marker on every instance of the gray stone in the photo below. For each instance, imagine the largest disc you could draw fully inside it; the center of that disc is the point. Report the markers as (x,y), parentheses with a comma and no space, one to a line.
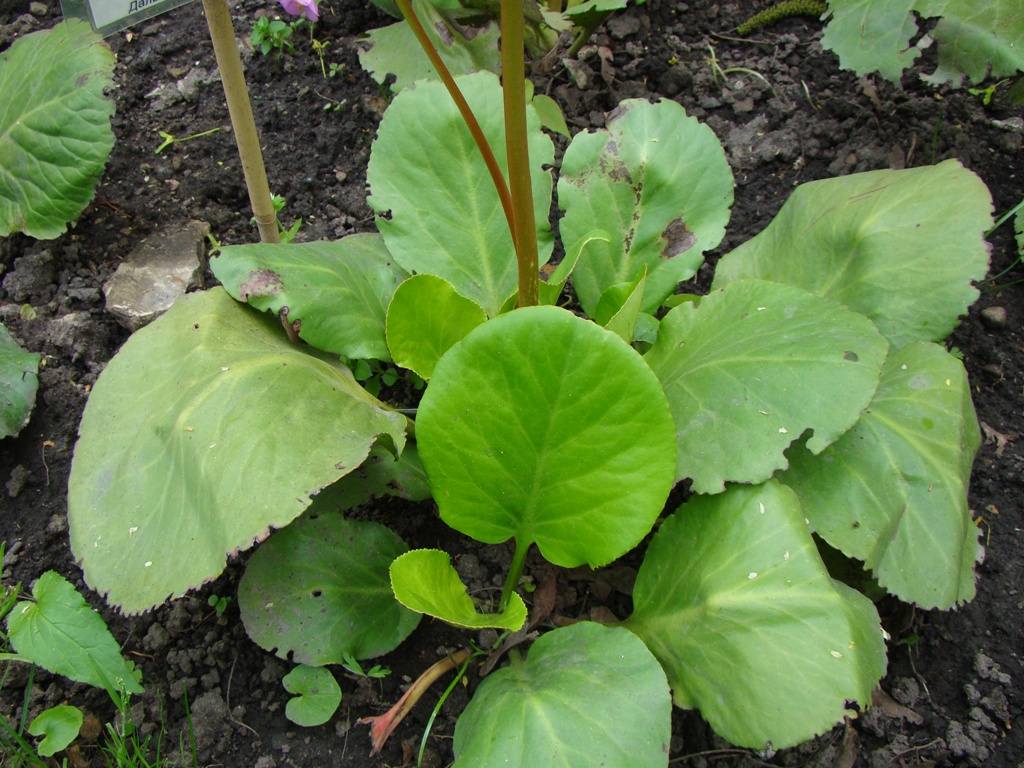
(160,269)
(185,89)
(38,9)
(994,318)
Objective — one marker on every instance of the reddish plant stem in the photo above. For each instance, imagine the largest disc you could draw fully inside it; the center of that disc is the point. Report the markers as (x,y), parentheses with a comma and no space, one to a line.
(382,726)
(467,115)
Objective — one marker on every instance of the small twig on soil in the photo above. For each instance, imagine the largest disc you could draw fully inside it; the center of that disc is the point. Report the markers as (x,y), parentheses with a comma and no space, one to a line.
(42,451)
(722,752)
(720,36)
(919,749)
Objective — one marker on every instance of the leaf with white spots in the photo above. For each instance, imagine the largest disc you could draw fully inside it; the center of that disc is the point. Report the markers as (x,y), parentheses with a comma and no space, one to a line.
(205,431)
(735,602)
(754,365)
(893,490)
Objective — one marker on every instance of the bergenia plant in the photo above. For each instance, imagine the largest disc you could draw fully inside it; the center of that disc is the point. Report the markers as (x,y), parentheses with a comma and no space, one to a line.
(806,398)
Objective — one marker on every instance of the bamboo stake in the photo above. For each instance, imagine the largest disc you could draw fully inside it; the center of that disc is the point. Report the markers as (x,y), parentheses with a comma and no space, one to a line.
(222,34)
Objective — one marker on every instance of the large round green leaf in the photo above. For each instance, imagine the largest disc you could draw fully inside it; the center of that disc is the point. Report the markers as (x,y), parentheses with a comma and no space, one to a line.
(439,212)
(19,382)
(543,427)
(55,133)
(893,490)
(754,365)
(735,602)
(319,590)
(901,247)
(587,695)
(426,581)
(207,429)
(426,316)
(658,182)
(337,292)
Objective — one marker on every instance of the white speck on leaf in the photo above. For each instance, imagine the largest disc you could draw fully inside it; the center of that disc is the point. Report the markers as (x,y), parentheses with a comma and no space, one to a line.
(761,505)
(786,556)
(224,368)
(132,530)
(837,654)
(783,431)
(148,563)
(752,575)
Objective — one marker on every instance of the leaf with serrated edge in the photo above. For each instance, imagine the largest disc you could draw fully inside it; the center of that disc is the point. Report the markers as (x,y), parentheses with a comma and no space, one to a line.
(586,695)
(319,590)
(658,182)
(318,696)
(19,382)
(975,39)
(901,247)
(893,490)
(337,292)
(425,318)
(55,134)
(546,447)
(205,431)
(733,599)
(870,36)
(424,580)
(61,633)
(439,212)
(753,366)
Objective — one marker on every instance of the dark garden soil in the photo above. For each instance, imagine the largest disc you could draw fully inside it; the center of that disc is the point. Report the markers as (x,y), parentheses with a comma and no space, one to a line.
(953,695)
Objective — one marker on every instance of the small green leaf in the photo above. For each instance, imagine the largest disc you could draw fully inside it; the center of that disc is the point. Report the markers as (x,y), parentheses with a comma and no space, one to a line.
(425,581)
(317,699)
(893,490)
(439,212)
(659,183)
(425,318)
(18,384)
(59,725)
(61,633)
(901,247)
(571,448)
(381,474)
(338,292)
(319,589)
(207,429)
(735,602)
(754,365)
(55,136)
(551,116)
(620,305)
(587,695)
(394,50)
